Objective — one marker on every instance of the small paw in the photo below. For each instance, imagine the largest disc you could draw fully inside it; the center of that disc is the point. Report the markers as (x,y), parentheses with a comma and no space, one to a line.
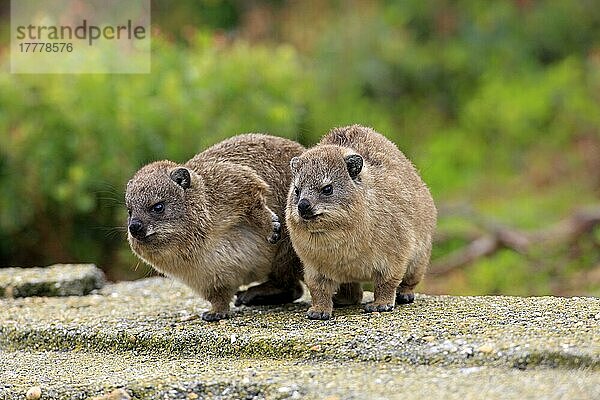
(242,298)
(211,316)
(276,225)
(405,298)
(372,307)
(319,315)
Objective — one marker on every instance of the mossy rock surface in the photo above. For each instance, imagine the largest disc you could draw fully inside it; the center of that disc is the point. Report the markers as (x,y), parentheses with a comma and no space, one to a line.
(147,338)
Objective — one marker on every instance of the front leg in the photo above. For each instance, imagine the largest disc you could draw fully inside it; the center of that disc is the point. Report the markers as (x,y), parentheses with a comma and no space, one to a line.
(219,300)
(249,194)
(385,294)
(275,234)
(321,291)
(263,217)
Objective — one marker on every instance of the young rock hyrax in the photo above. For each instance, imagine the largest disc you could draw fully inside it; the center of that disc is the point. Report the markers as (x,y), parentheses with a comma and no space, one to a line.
(214,222)
(357,210)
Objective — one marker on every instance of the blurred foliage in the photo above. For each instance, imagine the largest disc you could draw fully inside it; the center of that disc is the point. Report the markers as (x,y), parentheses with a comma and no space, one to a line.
(496,102)
(76,140)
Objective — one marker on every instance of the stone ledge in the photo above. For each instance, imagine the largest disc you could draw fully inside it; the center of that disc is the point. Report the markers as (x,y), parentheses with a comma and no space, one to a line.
(506,343)
(160,316)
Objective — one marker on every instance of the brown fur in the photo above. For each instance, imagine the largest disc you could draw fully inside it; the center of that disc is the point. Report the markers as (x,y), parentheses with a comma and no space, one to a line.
(377,226)
(213,235)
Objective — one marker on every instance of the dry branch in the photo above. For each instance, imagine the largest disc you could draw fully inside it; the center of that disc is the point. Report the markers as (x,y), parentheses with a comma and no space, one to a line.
(498,237)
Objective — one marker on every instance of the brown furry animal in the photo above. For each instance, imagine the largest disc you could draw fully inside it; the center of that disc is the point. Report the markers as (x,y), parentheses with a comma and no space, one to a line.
(357,210)
(209,221)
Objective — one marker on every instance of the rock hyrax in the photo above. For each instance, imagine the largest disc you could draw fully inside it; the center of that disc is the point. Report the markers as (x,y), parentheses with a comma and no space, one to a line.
(213,221)
(357,210)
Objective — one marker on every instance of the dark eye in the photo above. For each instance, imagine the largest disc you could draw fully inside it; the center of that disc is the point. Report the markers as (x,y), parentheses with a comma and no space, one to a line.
(297,191)
(327,190)
(158,208)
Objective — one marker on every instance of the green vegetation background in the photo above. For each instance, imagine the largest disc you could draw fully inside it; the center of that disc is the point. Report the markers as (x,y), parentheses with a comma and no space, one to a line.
(497,103)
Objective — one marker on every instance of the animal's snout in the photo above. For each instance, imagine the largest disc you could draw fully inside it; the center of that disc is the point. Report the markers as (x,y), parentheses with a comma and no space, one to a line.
(137,228)
(305,209)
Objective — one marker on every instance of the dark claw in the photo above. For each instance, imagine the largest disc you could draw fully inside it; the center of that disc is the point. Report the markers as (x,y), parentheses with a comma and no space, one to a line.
(320,315)
(405,298)
(274,238)
(378,308)
(276,233)
(214,316)
(240,299)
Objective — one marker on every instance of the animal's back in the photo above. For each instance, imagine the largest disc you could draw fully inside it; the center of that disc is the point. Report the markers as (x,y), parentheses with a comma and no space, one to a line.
(268,155)
(371,145)
(395,179)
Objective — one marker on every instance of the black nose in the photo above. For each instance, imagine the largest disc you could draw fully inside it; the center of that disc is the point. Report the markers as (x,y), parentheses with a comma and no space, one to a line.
(303,205)
(304,208)
(136,227)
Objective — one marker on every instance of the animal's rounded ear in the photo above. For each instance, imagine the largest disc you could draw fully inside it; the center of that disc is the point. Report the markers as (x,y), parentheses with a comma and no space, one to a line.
(354,163)
(295,164)
(181,176)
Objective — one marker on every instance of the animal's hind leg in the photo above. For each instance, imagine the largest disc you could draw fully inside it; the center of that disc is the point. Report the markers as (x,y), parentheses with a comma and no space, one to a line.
(414,274)
(348,294)
(283,285)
